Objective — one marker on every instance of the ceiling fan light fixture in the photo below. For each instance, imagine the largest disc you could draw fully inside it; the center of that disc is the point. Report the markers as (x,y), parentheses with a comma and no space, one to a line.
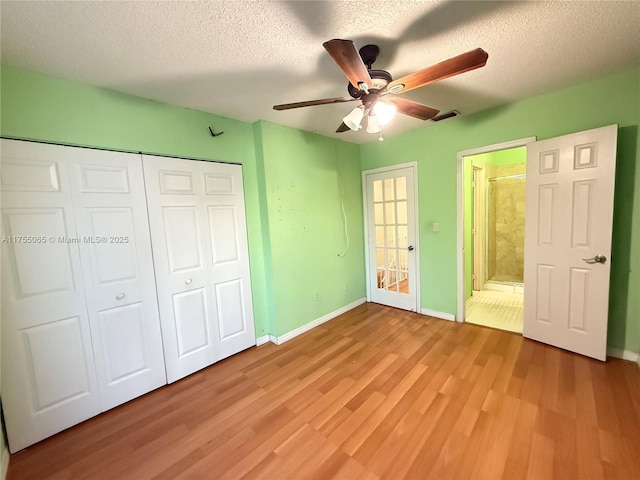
(354,119)
(372,124)
(384,112)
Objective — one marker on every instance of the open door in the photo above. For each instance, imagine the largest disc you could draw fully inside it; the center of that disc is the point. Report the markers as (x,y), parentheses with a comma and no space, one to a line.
(569,212)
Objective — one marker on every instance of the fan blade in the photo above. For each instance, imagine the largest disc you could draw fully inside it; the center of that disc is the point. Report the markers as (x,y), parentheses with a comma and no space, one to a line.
(415,110)
(344,53)
(342,128)
(310,103)
(462,63)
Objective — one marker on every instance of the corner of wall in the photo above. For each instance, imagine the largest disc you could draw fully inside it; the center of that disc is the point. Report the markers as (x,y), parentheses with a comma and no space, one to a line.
(267,276)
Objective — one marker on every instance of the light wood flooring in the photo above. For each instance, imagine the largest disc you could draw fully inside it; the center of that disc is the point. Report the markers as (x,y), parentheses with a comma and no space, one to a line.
(374,393)
(503,310)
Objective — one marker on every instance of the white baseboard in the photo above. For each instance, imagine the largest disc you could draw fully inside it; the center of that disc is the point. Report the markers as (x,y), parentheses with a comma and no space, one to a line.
(263,339)
(442,315)
(4,461)
(314,323)
(624,354)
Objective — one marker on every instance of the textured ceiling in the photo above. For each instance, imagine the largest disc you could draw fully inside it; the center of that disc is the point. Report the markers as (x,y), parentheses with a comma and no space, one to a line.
(239,58)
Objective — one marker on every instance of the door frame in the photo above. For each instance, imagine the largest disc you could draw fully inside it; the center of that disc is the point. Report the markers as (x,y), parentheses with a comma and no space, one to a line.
(414,167)
(521,142)
(478,242)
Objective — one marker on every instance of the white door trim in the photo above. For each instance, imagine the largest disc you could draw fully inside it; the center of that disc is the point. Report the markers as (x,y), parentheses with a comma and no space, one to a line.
(460,317)
(414,167)
(478,244)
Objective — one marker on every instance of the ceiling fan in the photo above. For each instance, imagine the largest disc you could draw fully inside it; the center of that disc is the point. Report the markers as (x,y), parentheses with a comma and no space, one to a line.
(369,86)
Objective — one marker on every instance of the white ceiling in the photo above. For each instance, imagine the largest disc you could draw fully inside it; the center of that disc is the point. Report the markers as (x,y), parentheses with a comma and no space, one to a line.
(239,58)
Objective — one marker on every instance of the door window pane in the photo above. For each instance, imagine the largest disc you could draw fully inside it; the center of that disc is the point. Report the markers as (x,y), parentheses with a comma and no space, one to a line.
(403,241)
(402,212)
(388,190)
(390,212)
(393,280)
(378,214)
(380,263)
(377,191)
(403,285)
(403,259)
(391,236)
(379,236)
(401,188)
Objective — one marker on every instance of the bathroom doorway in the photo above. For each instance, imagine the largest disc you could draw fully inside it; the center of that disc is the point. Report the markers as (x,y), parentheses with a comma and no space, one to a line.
(493,192)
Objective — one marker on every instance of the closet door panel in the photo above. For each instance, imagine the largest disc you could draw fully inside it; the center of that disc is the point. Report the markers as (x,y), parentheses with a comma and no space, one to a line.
(182,258)
(229,274)
(123,336)
(182,238)
(110,206)
(48,372)
(190,314)
(115,260)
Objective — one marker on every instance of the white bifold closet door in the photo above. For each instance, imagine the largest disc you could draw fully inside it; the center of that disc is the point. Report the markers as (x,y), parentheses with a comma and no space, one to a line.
(80,329)
(110,209)
(199,239)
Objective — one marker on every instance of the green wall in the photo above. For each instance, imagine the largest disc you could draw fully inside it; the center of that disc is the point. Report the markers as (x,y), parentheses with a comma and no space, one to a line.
(308,179)
(609,100)
(294,216)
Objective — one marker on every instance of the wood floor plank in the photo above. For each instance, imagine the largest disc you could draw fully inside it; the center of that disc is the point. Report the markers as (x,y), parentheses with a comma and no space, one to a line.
(518,456)
(374,393)
(589,459)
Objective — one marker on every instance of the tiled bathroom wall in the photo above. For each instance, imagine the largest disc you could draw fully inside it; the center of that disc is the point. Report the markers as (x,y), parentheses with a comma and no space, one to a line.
(505,228)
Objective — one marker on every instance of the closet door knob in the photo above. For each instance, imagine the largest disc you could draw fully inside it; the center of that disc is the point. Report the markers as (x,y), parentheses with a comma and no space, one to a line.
(120,296)
(188,281)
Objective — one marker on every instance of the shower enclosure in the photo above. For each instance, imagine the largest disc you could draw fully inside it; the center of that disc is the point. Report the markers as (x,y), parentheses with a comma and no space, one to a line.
(505,232)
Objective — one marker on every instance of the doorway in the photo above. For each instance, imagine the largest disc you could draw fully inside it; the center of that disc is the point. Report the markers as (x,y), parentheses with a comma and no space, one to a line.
(492,186)
(569,212)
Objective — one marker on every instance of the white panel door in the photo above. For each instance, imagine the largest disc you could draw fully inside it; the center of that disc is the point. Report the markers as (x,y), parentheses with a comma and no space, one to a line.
(570,185)
(48,371)
(391,237)
(115,248)
(196,213)
(181,256)
(229,276)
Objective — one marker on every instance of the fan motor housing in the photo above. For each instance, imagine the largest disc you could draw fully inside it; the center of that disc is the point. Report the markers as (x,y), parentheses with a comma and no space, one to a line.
(380,80)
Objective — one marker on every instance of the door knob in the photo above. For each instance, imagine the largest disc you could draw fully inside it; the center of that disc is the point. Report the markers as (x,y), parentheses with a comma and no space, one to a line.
(596,259)
(188,281)
(410,248)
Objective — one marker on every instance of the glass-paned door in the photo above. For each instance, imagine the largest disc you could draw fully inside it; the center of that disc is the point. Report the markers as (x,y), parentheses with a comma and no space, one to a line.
(392,268)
